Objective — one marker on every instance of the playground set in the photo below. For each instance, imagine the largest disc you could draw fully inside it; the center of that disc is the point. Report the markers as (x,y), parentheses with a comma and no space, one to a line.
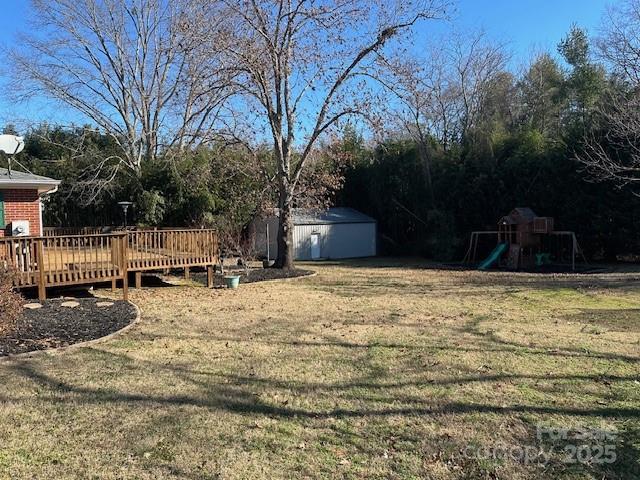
(524,241)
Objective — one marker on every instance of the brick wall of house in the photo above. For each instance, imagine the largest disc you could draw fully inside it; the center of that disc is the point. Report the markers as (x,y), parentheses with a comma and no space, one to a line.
(22,204)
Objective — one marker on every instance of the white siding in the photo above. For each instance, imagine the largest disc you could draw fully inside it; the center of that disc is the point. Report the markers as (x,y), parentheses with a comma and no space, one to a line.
(337,240)
(302,240)
(341,240)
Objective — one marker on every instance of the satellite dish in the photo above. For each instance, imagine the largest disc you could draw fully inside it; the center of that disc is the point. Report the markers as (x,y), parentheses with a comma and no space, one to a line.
(11,144)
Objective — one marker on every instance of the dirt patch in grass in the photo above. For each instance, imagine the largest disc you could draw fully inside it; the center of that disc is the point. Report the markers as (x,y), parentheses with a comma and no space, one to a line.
(617,320)
(55,325)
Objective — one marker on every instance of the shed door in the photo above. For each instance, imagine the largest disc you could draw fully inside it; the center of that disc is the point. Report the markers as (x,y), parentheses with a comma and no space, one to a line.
(315,245)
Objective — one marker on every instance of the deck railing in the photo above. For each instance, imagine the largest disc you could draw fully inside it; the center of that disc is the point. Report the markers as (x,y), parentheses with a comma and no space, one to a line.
(63,231)
(83,259)
(161,249)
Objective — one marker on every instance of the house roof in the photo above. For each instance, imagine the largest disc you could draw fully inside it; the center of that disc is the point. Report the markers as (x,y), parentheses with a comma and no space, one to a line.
(330,216)
(19,179)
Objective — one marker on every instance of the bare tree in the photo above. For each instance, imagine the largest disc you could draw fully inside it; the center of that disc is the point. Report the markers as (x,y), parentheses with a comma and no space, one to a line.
(619,41)
(476,62)
(129,69)
(302,66)
(420,91)
(611,152)
(442,95)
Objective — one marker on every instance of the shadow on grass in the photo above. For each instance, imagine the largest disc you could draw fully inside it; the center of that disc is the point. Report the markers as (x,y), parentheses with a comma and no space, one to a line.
(152,281)
(599,451)
(470,284)
(374,395)
(370,397)
(618,320)
(421,263)
(490,343)
(236,394)
(544,282)
(490,340)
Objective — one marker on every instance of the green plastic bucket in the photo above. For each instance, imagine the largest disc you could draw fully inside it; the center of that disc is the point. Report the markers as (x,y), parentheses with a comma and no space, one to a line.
(232,281)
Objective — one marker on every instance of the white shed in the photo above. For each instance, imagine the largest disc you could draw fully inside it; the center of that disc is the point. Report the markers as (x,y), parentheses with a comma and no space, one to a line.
(331,234)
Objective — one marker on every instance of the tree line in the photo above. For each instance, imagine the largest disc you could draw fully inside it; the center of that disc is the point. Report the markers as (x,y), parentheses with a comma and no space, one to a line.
(209,113)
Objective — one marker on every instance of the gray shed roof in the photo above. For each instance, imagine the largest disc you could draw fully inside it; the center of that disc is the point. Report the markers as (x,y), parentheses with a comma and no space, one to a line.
(19,179)
(330,216)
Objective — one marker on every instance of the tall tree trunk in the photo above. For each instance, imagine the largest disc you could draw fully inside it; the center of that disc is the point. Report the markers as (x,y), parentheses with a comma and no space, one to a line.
(285,228)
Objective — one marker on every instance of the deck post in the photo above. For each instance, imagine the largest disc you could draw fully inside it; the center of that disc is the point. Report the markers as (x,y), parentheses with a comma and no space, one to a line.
(187,273)
(125,287)
(115,261)
(124,261)
(138,279)
(210,276)
(42,278)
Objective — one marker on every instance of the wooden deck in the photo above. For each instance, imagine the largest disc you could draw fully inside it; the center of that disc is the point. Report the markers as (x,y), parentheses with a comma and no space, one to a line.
(84,259)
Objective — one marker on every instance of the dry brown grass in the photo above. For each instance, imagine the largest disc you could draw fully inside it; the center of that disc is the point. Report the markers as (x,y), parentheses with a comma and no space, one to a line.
(367,370)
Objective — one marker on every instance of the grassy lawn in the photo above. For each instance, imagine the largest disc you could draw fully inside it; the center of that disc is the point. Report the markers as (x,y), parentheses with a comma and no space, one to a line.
(367,370)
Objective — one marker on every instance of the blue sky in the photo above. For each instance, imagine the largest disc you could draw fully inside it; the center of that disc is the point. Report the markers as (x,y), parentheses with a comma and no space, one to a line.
(530,25)
(13,18)
(525,26)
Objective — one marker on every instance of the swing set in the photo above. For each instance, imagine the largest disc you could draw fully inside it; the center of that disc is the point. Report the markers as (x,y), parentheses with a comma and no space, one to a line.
(524,241)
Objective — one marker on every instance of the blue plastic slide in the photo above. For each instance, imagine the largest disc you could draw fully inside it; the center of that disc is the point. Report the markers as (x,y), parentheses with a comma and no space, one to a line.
(494,256)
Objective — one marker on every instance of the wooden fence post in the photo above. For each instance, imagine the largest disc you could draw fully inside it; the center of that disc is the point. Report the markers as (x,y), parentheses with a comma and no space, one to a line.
(42,278)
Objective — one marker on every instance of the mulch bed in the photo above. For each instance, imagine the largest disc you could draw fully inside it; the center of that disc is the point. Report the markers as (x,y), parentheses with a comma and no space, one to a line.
(54,326)
(255,275)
